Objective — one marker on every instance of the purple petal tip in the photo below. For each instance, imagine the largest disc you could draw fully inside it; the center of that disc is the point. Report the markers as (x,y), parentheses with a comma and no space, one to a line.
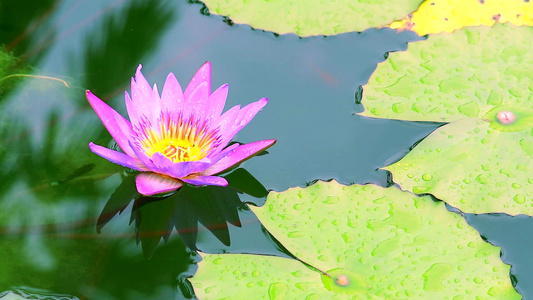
(270,142)
(206,67)
(89,95)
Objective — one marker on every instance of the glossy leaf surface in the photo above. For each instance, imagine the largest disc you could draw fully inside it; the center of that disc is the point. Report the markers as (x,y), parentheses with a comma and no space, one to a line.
(454,76)
(473,167)
(306,18)
(364,241)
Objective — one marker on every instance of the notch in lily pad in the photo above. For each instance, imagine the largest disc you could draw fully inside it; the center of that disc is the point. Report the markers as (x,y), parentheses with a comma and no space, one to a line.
(510,118)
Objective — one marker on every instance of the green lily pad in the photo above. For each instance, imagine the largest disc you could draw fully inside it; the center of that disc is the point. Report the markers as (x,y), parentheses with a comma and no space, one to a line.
(362,242)
(473,166)
(306,18)
(454,76)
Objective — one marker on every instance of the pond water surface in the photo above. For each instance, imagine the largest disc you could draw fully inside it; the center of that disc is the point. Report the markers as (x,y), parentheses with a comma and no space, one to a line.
(53,189)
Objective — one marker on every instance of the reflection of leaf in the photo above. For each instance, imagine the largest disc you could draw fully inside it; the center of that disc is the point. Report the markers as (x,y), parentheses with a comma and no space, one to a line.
(8,157)
(9,65)
(21,32)
(21,27)
(213,207)
(473,167)
(152,221)
(307,18)
(243,181)
(114,52)
(94,264)
(118,201)
(78,172)
(434,16)
(125,39)
(29,293)
(381,243)
(49,167)
(454,76)
(156,278)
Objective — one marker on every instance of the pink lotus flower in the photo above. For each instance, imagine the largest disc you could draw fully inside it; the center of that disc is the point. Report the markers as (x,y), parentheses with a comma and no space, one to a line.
(178,137)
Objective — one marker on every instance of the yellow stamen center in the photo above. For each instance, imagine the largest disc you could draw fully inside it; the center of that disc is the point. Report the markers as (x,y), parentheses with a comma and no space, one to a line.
(178,139)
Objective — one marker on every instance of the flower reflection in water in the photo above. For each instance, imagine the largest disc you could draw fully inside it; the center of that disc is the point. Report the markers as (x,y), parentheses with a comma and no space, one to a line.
(211,206)
(178,137)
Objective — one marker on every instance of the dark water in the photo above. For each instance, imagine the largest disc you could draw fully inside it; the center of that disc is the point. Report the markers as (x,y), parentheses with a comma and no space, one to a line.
(53,189)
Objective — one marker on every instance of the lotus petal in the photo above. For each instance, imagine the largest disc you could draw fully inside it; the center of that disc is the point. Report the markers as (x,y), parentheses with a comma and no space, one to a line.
(205,180)
(118,157)
(151,183)
(202,75)
(109,118)
(172,95)
(216,101)
(180,136)
(240,154)
(244,116)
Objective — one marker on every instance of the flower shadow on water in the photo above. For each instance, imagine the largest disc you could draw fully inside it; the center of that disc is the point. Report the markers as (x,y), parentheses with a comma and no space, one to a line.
(212,206)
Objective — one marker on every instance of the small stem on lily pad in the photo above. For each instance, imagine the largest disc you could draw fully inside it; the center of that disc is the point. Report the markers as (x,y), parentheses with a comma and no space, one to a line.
(312,267)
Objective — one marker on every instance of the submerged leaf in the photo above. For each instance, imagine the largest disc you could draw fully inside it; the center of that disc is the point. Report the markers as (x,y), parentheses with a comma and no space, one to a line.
(451,77)
(434,16)
(472,166)
(366,242)
(306,18)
